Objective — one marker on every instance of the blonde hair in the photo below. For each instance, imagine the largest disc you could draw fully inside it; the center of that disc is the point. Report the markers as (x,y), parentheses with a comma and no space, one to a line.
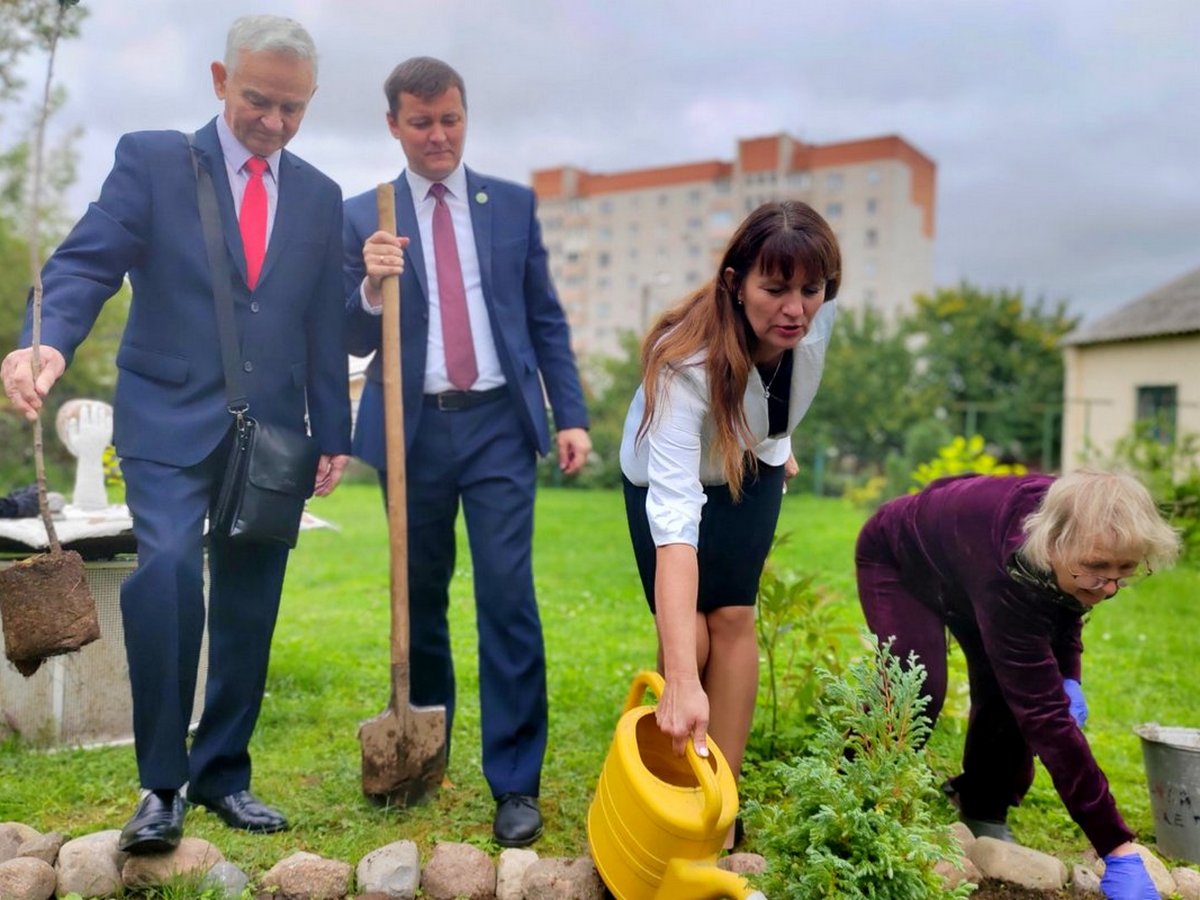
(1091,508)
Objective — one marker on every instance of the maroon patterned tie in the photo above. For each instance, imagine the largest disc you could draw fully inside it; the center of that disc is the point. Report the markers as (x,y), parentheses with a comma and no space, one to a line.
(252,219)
(452,297)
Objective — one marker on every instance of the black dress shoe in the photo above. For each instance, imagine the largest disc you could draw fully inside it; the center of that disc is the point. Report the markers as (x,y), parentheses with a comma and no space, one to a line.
(243,810)
(518,821)
(156,826)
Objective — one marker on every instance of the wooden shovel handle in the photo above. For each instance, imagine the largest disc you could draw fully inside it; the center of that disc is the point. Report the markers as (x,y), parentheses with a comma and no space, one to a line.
(393,420)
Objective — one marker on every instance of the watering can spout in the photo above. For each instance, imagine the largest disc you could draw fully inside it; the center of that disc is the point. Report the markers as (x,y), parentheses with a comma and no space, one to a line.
(687,879)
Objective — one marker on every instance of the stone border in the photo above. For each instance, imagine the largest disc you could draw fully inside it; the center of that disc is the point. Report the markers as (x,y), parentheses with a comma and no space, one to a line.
(36,866)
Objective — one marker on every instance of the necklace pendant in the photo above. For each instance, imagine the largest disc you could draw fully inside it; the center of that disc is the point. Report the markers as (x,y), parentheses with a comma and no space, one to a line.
(767,392)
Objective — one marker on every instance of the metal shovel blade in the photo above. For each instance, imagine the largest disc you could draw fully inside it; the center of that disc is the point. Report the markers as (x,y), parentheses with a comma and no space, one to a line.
(403,753)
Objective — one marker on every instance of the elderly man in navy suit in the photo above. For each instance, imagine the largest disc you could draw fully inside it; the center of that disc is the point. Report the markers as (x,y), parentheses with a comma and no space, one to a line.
(282,221)
(485,344)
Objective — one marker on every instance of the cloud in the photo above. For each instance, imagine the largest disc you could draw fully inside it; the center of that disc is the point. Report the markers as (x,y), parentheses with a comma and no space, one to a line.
(1062,129)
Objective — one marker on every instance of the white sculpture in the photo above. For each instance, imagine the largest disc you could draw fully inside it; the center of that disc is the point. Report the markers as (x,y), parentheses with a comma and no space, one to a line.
(85,427)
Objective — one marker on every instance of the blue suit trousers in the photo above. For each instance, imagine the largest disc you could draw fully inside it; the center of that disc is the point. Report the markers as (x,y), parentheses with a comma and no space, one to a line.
(483,456)
(162,607)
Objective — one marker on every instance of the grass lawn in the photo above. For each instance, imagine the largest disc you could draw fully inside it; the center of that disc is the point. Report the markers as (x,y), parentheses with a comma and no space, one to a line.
(329,672)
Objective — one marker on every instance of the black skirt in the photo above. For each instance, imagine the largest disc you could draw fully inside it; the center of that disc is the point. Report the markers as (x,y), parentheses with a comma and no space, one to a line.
(735,538)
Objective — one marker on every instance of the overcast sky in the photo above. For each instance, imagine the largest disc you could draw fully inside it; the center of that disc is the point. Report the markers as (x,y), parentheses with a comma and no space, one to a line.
(1065,132)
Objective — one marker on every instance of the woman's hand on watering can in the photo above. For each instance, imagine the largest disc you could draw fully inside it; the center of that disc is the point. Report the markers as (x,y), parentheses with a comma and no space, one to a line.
(682,712)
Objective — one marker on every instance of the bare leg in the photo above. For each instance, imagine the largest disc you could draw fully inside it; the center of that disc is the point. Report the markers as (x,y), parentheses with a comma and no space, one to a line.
(730,678)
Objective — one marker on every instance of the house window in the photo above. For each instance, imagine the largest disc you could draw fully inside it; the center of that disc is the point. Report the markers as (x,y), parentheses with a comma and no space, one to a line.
(833,210)
(872,206)
(834,181)
(872,237)
(1156,407)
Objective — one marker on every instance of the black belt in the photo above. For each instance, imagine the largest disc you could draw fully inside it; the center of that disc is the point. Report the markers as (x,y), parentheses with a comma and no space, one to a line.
(453,401)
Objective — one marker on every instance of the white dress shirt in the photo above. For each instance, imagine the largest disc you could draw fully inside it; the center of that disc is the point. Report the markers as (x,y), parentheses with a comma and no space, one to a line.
(675,456)
(487,360)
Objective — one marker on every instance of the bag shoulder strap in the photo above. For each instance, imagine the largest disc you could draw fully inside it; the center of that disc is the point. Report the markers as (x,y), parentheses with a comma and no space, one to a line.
(218,265)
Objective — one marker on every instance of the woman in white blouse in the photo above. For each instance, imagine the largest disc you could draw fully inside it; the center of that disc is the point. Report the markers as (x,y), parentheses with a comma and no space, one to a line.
(727,375)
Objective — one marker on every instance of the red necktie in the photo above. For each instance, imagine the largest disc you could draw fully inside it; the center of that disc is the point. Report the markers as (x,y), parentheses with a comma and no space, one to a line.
(252,220)
(452,297)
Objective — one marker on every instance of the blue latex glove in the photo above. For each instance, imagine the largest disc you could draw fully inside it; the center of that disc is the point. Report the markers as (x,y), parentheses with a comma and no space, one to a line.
(1079,710)
(1126,878)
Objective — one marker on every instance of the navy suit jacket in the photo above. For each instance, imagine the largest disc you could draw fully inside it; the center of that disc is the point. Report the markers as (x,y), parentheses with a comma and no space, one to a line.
(170,403)
(528,323)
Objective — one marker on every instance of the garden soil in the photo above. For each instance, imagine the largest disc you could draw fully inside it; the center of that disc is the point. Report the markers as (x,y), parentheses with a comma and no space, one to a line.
(47,609)
(999,890)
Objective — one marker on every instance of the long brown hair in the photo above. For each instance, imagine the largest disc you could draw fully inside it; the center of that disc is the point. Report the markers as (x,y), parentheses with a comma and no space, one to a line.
(778,239)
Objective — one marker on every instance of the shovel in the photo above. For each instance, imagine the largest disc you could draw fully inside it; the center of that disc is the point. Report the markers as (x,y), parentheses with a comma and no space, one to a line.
(404,747)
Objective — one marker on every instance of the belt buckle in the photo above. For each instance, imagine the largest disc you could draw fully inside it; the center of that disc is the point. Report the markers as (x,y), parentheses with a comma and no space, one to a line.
(448,401)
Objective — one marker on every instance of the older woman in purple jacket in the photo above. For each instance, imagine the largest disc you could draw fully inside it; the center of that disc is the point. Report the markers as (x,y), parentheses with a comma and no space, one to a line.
(1010,565)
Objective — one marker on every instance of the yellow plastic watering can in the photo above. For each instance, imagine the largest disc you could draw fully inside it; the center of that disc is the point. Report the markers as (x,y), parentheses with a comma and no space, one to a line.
(658,821)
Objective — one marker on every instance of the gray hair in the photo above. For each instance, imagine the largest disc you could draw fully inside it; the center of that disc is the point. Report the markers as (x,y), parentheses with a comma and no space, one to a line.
(1091,508)
(272,33)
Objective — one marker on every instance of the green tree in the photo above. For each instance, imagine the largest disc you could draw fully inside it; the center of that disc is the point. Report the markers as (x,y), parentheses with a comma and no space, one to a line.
(610,383)
(26,27)
(865,404)
(994,360)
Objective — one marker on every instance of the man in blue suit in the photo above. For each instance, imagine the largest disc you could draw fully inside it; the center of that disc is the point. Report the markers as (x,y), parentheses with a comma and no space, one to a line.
(485,345)
(172,429)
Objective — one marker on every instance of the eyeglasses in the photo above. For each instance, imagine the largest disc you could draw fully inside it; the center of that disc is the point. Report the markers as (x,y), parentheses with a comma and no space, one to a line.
(1089,582)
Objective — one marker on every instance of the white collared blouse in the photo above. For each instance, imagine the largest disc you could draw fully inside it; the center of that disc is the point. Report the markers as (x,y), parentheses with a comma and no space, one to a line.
(675,459)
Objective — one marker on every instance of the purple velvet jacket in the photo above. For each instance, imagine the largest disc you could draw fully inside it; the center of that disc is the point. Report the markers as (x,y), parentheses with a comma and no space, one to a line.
(954,541)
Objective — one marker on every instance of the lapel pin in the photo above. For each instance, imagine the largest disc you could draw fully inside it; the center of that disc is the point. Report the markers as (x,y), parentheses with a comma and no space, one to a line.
(481,197)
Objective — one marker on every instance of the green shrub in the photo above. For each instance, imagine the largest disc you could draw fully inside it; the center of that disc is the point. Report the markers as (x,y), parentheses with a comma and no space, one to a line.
(855,815)
(1170,468)
(799,633)
(960,456)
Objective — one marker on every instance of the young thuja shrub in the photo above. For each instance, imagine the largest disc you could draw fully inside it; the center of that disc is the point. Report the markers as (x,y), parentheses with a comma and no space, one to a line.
(799,632)
(856,815)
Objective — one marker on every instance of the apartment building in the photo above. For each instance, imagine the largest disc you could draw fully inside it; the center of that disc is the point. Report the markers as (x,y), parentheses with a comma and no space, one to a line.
(625,245)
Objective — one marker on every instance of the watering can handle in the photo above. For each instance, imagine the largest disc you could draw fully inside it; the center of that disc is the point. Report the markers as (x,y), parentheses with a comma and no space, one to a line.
(705,776)
(708,786)
(642,682)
